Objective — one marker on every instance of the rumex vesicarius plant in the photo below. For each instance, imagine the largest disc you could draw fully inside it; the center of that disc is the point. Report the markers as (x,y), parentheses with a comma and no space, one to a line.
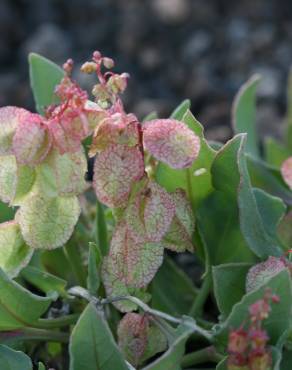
(70,268)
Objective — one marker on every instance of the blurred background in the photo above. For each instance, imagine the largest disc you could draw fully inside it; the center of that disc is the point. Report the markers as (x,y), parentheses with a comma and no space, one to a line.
(173,49)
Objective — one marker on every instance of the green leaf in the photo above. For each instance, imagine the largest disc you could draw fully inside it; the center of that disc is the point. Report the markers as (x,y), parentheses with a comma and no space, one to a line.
(222,365)
(253,222)
(244,114)
(15,180)
(56,263)
(14,315)
(280,317)
(92,346)
(47,283)
(268,178)
(196,180)
(219,228)
(6,213)
(272,210)
(44,76)
(94,265)
(177,300)
(230,163)
(171,359)
(150,116)
(275,153)
(14,253)
(229,285)
(14,360)
(180,111)
(48,223)
(286,360)
(41,366)
(62,175)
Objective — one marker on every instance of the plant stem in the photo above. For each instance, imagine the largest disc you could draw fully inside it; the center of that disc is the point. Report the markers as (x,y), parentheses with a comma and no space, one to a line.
(101,230)
(34,334)
(185,320)
(74,259)
(57,322)
(207,354)
(198,305)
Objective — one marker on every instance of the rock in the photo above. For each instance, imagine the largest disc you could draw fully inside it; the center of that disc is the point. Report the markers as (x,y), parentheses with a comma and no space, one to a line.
(197,44)
(171,11)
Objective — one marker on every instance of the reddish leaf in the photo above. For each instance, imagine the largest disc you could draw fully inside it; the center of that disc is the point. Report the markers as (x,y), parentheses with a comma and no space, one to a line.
(115,171)
(15,180)
(150,214)
(286,170)
(10,117)
(260,273)
(171,141)
(32,140)
(139,339)
(135,263)
(133,337)
(116,288)
(115,129)
(179,235)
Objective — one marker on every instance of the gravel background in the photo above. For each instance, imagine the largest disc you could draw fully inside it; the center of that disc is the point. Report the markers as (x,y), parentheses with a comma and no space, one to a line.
(173,49)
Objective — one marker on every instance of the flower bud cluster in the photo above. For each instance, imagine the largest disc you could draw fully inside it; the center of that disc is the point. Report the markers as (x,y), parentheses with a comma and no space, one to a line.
(248,346)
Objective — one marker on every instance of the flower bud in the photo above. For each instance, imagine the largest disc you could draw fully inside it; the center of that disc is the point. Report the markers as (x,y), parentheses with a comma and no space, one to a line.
(258,339)
(88,67)
(238,341)
(260,360)
(108,62)
(118,83)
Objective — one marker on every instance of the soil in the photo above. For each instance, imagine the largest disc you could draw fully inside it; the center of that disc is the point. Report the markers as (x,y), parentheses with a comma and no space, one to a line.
(173,49)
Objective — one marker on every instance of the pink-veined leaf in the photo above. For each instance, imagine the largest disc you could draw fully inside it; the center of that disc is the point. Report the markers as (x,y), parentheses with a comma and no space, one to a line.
(32,140)
(133,337)
(115,170)
(150,214)
(115,129)
(171,141)
(10,117)
(15,180)
(259,274)
(47,222)
(94,114)
(69,131)
(286,170)
(139,339)
(63,174)
(179,235)
(14,253)
(135,263)
(116,288)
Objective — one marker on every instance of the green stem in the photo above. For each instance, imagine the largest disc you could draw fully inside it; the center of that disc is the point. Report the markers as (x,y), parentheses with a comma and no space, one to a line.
(207,354)
(59,322)
(101,230)
(186,321)
(34,334)
(73,256)
(198,305)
